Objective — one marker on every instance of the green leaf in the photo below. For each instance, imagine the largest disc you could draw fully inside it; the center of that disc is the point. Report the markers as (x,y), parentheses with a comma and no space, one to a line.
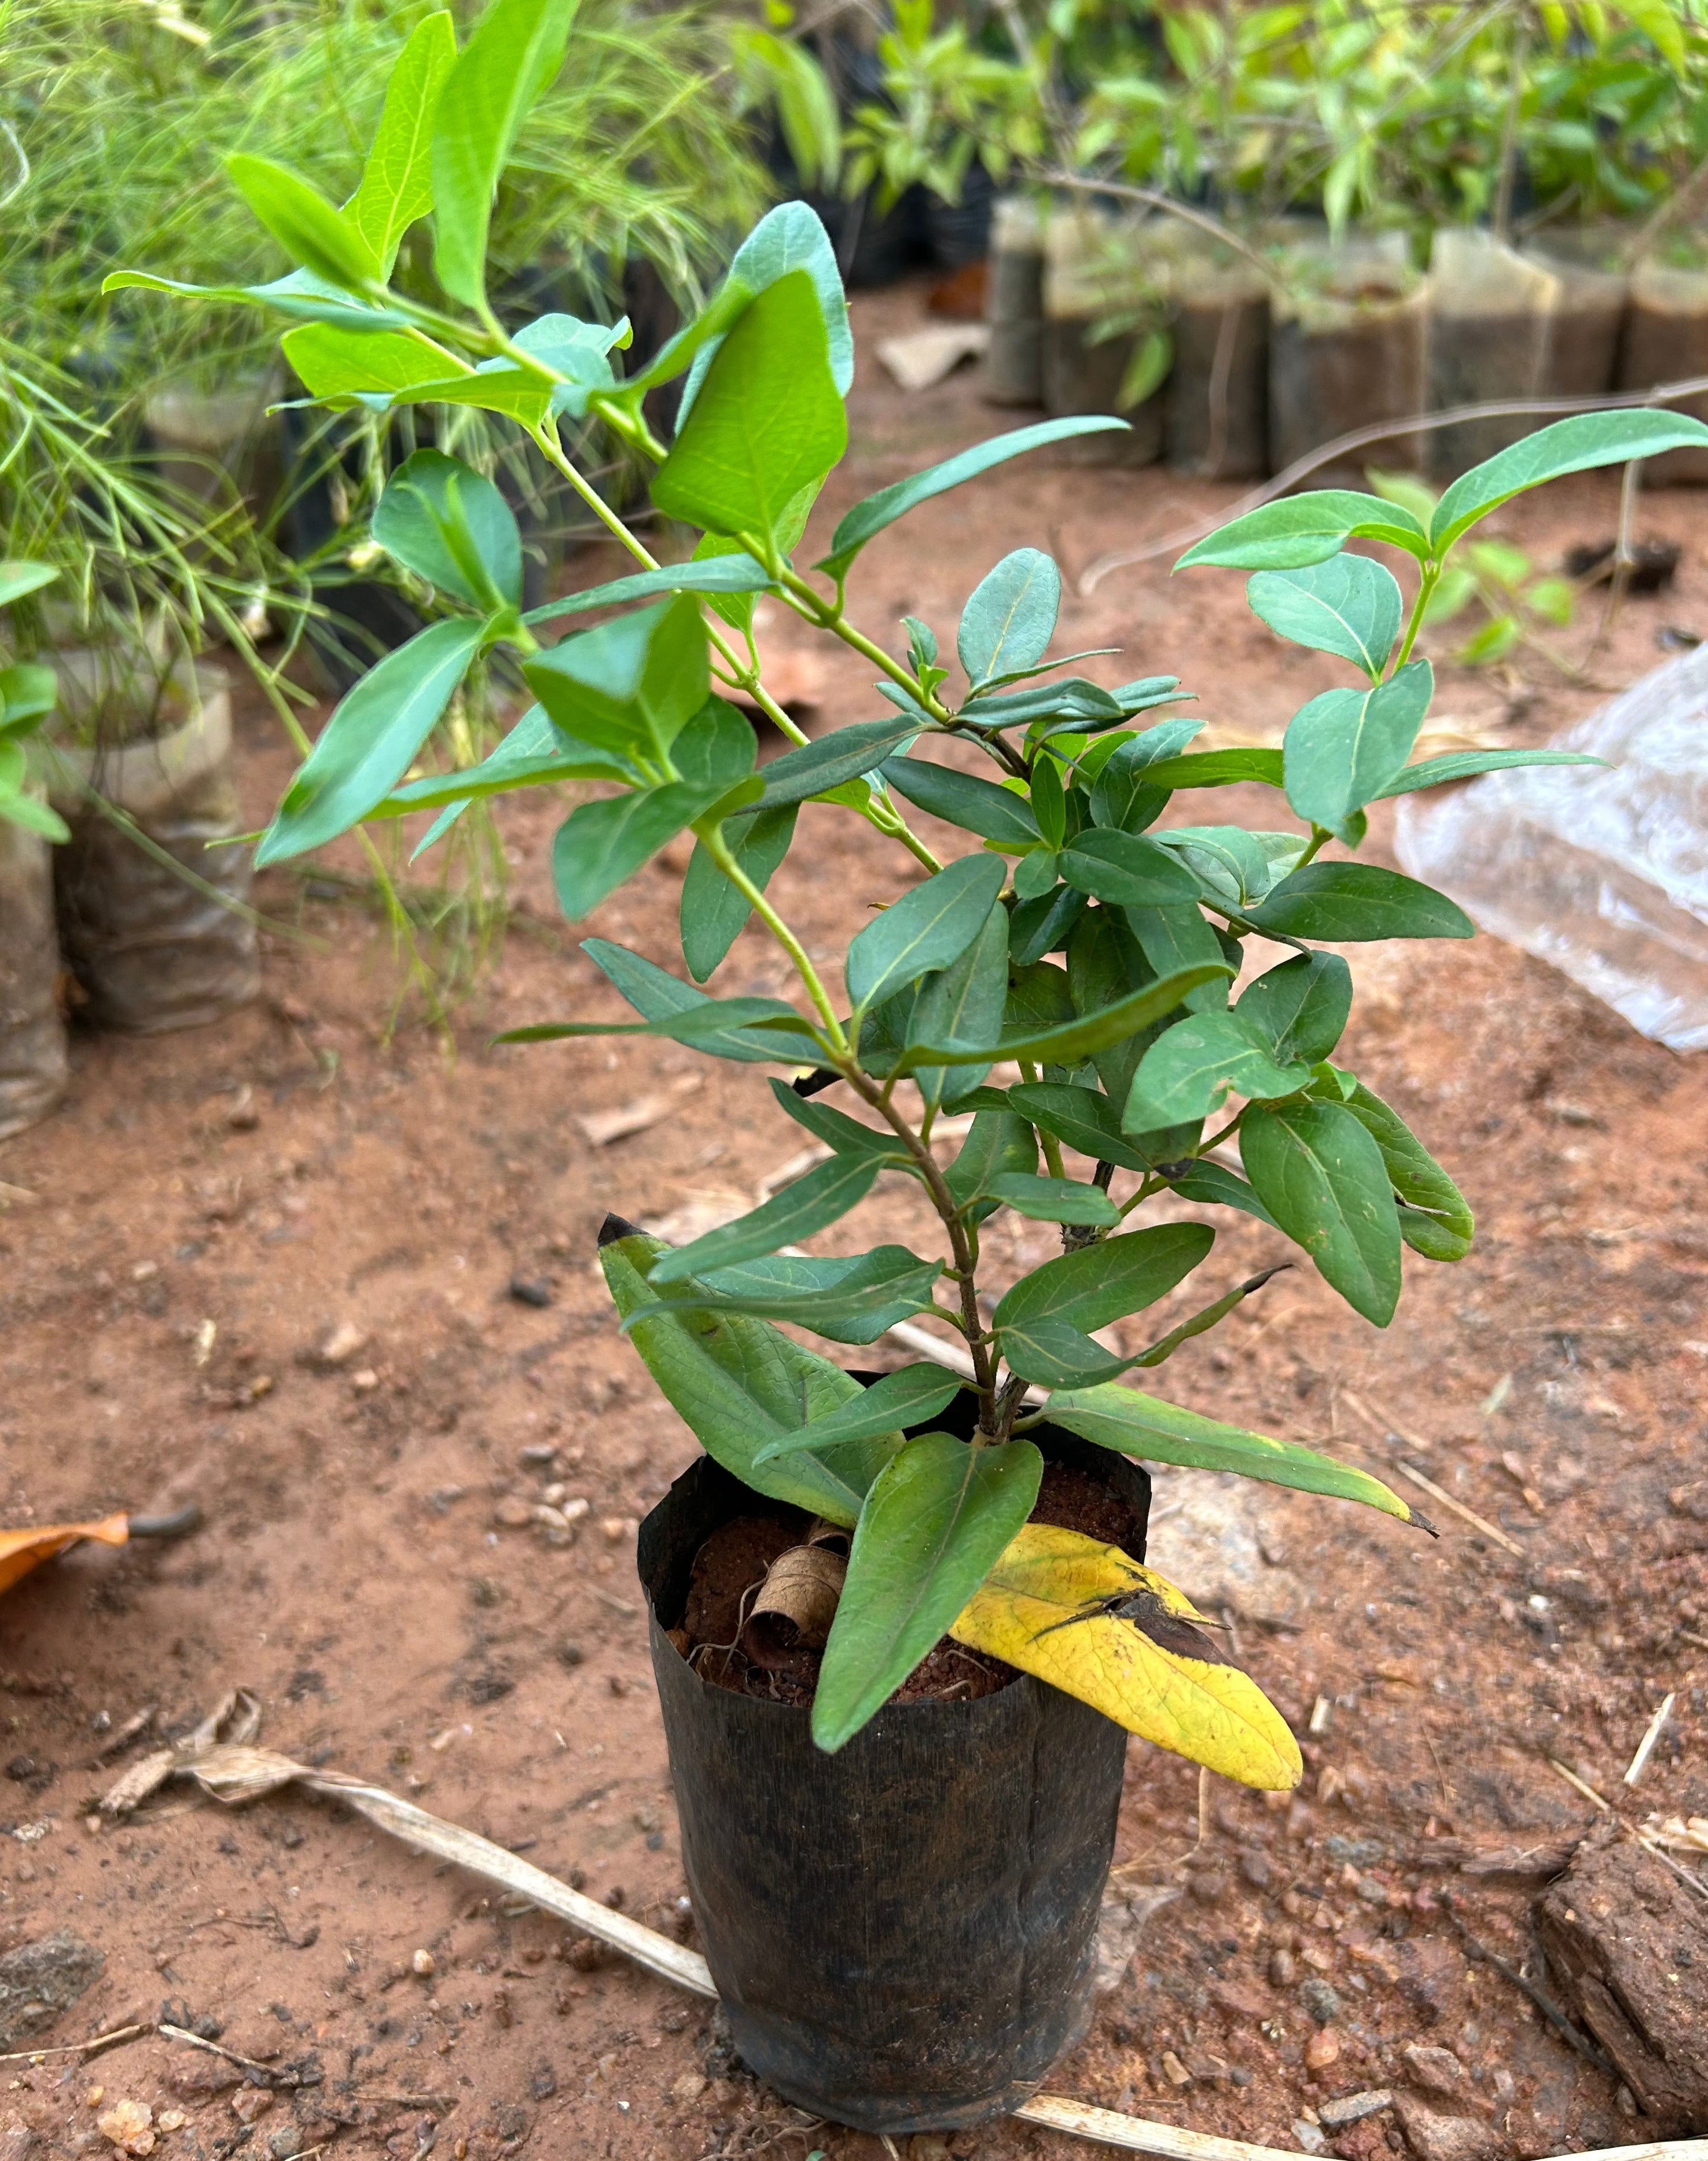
(1493,642)
(532,755)
(657,995)
(1347,606)
(1578,444)
(397,176)
(451,526)
(811,1204)
(1220,1188)
(935,1521)
(713,911)
(927,929)
(1301,530)
(790,238)
(1234,868)
(321,239)
(998,1143)
(1343,748)
(1073,1041)
(829,760)
(1465,765)
(851,1301)
(1434,1219)
(1045,925)
(334,362)
(887,1406)
(301,296)
(718,573)
(1104,965)
(708,1024)
(1081,1117)
(33,815)
(846,1135)
(963,1004)
(17,579)
(1145,1426)
(1054,1200)
(1036,874)
(579,351)
(29,693)
(867,519)
(1049,802)
(601,843)
(1347,902)
(1007,624)
(1044,1325)
(1194,1068)
(631,685)
(371,740)
(960,799)
(1218,769)
(1177,937)
(1320,1174)
(769,421)
(739,1383)
(1302,1007)
(514,55)
(1127,869)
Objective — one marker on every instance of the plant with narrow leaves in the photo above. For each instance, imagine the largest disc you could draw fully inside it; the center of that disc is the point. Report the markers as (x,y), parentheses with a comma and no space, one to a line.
(1123,1072)
(27,694)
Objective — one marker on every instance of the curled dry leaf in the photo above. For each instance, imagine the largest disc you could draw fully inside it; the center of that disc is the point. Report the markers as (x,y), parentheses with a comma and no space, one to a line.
(20,1551)
(796,1603)
(236,1718)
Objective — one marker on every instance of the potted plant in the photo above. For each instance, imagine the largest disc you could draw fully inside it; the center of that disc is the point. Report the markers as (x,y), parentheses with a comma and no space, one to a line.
(32,1033)
(898,1896)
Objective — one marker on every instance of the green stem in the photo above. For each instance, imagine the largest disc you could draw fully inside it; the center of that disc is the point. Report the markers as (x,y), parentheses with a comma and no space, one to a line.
(807,602)
(1048,1141)
(1426,586)
(712,841)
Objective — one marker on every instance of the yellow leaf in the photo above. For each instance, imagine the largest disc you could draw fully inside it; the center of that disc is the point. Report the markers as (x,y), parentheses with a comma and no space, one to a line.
(1044,1608)
(20,1551)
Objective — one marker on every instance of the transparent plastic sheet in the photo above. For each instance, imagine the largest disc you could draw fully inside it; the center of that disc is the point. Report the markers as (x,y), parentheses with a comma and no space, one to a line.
(1216,417)
(1491,333)
(153,949)
(1090,264)
(32,1033)
(1666,340)
(1013,364)
(1602,874)
(1583,345)
(1346,351)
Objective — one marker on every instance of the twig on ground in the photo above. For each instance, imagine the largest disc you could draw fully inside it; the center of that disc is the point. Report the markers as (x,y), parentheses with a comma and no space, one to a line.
(1543,2002)
(1645,1747)
(1572,1778)
(90,2048)
(1459,1508)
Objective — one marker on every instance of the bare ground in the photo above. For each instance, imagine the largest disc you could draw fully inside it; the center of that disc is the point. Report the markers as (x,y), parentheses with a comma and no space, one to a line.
(175,1273)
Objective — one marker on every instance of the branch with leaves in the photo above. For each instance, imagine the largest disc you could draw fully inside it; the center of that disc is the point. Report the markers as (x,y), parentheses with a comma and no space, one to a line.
(1128,1044)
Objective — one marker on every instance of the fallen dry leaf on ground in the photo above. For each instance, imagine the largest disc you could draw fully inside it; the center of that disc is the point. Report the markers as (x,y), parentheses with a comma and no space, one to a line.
(21,1551)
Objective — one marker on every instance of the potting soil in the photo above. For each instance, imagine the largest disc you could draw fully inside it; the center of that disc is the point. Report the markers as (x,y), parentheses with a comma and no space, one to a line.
(1346,352)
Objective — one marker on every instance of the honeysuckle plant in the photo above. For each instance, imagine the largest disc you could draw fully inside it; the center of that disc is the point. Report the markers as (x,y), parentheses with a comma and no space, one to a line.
(1075,978)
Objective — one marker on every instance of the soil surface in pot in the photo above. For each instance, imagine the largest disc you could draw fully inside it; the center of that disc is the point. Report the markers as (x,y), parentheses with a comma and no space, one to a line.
(730,1565)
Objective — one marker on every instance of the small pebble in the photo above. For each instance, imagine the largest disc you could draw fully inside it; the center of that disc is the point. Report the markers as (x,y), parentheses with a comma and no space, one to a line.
(1283,1969)
(423,1963)
(1322,2003)
(530,1291)
(1353,2108)
(1255,1870)
(1322,2049)
(1174,2070)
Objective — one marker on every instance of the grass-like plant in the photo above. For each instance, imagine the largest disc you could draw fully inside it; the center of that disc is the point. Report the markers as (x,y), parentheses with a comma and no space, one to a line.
(1132,1049)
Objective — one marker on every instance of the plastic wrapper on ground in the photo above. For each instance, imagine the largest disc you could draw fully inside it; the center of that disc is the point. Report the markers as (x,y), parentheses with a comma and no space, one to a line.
(1602,873)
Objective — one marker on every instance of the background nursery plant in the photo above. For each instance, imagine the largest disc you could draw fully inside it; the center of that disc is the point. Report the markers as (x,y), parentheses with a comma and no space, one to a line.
(1077,939)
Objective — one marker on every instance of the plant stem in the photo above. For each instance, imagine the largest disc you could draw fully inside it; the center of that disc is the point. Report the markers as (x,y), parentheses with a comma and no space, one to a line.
(1426,586)
(828,617)
(960,1242)
(712,841)
(1051,1145)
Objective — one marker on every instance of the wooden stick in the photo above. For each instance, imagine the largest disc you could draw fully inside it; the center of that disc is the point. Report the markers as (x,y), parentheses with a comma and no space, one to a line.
(91,2048)
(1572,1778)
(1645,1747)
(1459,1508)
